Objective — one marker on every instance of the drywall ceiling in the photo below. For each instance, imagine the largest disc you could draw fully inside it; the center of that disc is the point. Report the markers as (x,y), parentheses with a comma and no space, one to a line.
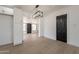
(9,6)
(47,9)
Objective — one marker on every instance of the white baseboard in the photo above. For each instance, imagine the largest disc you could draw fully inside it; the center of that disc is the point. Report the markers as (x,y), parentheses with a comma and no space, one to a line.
(6,43)
(50,37)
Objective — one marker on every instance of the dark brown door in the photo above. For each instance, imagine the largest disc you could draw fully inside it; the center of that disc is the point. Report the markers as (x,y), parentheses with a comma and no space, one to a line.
(61,28)
(29,28)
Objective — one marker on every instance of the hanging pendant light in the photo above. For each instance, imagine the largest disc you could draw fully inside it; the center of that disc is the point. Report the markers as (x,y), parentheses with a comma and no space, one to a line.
(38,13)
(36,6)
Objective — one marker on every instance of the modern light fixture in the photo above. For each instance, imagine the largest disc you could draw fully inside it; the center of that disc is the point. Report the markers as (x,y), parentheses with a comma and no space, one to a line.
(36,6)
(38,13)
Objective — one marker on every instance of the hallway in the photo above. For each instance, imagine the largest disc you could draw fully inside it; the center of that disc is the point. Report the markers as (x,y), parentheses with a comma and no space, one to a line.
(39,45)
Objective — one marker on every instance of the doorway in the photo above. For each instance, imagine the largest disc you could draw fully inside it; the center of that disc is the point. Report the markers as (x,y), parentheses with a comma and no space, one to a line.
(29,28)
(61,28)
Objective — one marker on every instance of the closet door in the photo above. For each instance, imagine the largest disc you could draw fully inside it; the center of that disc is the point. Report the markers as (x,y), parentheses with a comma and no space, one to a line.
(6,29)
(61,25)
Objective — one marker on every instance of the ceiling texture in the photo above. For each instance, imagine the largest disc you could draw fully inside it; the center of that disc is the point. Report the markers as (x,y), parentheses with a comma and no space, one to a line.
(46,9)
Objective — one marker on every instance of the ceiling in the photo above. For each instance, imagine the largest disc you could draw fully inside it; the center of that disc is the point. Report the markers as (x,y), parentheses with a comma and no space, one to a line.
(47,9)
(9,6)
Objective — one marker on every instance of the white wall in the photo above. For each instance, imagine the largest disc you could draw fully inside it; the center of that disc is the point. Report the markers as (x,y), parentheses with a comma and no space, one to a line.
(41,27)
(6,29)
(5,10)
(18,26)
(72,24)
